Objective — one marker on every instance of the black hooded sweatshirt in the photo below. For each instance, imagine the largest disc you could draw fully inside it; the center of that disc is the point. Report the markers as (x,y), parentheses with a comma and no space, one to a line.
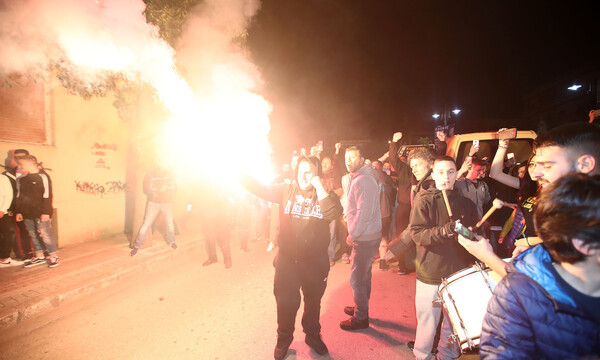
(439,256)
(304,220)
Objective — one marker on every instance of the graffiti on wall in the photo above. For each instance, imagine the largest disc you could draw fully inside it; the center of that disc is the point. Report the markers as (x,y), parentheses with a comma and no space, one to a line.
(100,151)
(109,187)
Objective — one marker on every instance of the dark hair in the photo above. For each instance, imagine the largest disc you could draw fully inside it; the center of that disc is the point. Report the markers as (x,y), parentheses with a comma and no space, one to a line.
(514,170)
(580,138)
(479,162)
(29,158)
(313,160)
(569,208)
(355,148)
(20,151)
(421,153)
(444,158)
(527,186)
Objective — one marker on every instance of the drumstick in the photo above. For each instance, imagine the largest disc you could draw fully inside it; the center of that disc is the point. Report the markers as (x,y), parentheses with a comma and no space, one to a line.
(447,203)
(497,204)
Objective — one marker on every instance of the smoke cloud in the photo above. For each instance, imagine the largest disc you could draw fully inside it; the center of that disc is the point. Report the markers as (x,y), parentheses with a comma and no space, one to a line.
(216,93)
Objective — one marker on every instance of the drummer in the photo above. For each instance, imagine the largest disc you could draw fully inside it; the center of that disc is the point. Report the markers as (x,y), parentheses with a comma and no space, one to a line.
(438,255)
(573,147)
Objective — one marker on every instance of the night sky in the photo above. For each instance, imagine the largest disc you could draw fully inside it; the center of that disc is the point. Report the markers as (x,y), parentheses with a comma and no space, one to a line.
(341,69)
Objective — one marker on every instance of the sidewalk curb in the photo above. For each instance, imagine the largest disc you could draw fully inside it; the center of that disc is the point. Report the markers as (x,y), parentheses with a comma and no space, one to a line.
(43,303)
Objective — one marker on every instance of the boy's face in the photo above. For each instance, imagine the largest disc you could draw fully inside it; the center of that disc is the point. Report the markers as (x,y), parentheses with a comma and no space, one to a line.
(420,168)
(14,161)
(444,175)
(27,166)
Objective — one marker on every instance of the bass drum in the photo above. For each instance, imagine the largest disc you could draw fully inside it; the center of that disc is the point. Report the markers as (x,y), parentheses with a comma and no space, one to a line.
(465,295)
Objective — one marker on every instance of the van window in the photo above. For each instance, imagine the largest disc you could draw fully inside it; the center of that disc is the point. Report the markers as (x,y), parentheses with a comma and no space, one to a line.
(522,148)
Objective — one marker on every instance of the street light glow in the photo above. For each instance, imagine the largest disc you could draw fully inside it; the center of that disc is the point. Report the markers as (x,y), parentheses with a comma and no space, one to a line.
(436,116)
(574,87)
(456,111)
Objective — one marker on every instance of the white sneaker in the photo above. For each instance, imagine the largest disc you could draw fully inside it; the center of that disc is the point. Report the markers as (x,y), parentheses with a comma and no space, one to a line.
(53,262)
(10,262)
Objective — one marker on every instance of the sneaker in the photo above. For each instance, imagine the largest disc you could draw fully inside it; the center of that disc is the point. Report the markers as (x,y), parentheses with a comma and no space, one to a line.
(53,262)
(11,262)
(282,346)
(402,271)
(35,262)
(346,259)
(134,251)
(349,310)
(173,246)
(411,345)
(316,343)
(354,324)
(383,266)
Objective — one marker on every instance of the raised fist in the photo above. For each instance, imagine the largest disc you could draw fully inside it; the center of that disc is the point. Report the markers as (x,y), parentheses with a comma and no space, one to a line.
(441,135)
(397,136)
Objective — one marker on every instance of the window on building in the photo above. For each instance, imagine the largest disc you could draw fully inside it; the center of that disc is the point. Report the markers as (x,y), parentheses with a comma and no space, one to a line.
(23,110)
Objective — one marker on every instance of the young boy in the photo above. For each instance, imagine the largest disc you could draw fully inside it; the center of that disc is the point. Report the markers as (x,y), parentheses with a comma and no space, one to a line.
(34,207)
(439,255)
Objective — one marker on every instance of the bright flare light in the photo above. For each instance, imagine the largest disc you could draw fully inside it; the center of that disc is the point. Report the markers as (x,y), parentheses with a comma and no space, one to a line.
(223,134)
(212,138)
(574,87)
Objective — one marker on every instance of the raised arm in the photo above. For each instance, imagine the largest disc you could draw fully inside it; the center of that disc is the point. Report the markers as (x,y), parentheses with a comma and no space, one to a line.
(496,172)
(272,193)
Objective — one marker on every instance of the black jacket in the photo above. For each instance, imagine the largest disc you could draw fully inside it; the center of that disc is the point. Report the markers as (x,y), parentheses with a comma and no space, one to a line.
(34,196)
(304,220)
(438,255)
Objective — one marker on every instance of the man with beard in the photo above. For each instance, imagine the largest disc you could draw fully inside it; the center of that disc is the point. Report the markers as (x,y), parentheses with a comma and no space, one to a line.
(573,147)
(363,216)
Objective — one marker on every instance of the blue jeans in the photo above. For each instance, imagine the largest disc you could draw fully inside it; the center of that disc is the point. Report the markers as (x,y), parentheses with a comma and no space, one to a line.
(332,240)
(41,231)
(360,277)
(152,211)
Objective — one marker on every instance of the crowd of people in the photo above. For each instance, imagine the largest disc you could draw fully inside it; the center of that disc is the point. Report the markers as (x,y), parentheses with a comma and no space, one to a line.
(407,208)
(547,251)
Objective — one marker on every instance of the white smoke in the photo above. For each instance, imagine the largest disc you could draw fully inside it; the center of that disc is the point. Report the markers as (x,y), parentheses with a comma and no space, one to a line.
(36,32)
(221,83)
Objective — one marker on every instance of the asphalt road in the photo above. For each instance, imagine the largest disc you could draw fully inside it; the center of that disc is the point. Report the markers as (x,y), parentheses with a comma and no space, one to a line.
(185,311)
